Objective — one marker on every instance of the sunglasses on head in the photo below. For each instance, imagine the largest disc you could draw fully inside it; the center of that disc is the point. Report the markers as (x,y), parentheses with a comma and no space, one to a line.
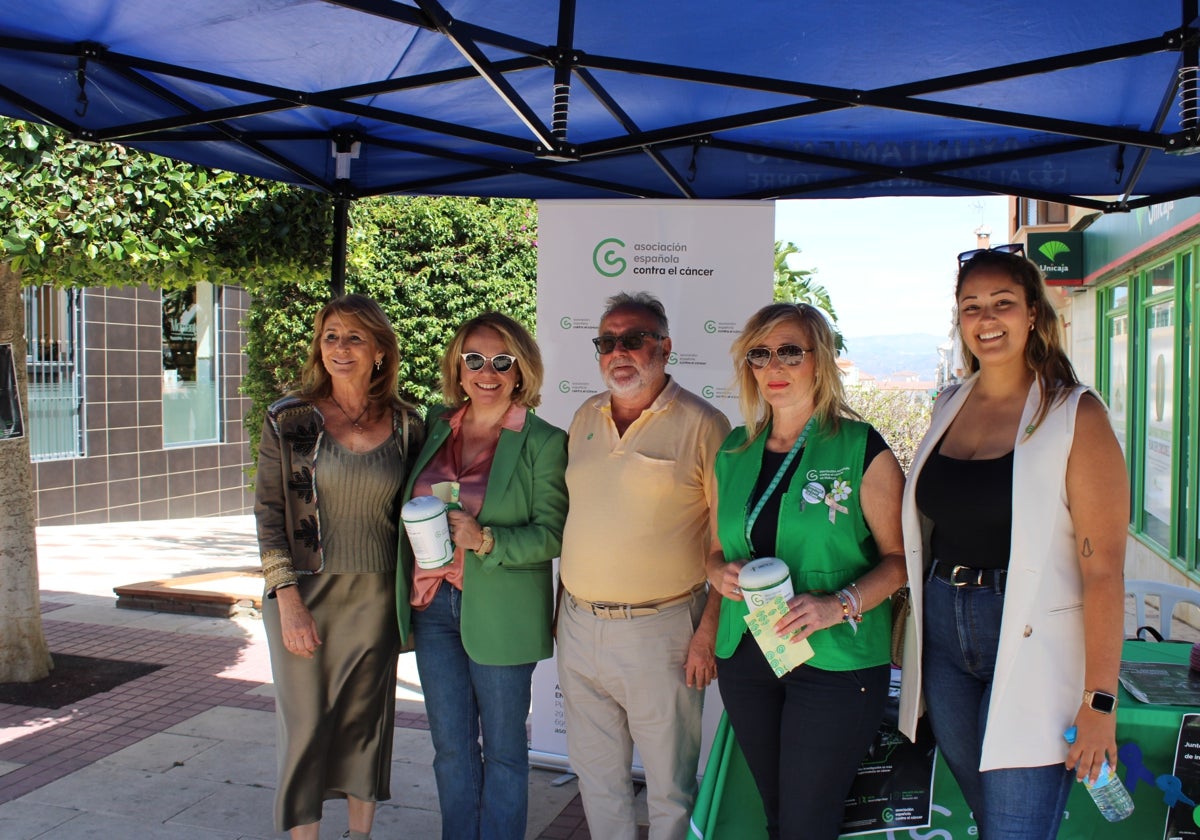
(605,344)
(1012,248)
(788,354)
(501,362)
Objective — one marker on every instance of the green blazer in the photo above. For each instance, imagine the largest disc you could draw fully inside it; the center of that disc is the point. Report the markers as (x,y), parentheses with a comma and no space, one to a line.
(508,593)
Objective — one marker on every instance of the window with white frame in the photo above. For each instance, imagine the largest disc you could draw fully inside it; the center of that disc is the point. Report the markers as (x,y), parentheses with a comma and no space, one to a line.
(53,362)
(190,375)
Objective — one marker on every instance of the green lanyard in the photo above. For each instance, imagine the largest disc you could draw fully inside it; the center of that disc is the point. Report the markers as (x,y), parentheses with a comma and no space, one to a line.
(762,500)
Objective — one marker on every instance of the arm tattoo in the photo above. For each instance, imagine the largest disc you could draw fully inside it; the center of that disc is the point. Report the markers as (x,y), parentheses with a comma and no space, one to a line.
(1087,550)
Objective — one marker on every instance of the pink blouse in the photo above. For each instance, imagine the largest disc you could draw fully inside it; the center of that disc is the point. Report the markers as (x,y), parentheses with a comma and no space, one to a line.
(446,465)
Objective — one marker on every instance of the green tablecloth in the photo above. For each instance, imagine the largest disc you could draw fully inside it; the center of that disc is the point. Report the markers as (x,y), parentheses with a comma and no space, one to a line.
(728,806)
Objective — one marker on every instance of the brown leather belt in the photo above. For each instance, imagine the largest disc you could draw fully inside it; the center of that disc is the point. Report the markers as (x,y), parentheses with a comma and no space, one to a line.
(611,611)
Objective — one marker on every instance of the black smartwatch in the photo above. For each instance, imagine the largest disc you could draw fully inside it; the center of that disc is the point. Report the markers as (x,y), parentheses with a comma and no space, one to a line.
(1100,701)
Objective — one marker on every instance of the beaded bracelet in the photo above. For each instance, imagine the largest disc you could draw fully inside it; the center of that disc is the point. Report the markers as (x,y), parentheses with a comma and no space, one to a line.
(859,597)
(844,598)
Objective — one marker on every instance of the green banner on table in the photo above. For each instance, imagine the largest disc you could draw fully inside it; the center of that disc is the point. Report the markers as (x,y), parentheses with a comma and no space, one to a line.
(893,791)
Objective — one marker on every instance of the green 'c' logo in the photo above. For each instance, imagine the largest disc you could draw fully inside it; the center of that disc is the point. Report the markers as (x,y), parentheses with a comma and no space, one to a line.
(708,392)
(710,326)
(607,259)
(565,322)
(564,386)
(673,359)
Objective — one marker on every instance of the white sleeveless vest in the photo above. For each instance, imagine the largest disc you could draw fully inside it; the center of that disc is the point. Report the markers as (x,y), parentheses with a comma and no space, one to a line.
(1038,682)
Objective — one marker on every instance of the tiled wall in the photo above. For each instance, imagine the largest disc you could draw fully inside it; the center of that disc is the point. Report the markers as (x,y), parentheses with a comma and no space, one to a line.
(127,475)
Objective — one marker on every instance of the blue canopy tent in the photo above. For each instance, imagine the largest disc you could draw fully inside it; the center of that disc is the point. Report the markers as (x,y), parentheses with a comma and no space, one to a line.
(1086,102)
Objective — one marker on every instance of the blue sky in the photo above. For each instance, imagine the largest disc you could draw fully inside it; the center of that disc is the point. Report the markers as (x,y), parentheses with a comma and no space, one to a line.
(888,263)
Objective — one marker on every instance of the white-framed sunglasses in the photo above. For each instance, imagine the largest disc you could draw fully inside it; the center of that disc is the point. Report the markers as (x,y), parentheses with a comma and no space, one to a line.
(501,362)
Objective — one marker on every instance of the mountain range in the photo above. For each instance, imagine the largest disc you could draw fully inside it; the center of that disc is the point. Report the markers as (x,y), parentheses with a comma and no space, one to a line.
(883,355)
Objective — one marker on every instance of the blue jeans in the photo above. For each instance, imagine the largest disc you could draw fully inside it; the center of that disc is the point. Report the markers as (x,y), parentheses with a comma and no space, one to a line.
(962,632)
(483,792)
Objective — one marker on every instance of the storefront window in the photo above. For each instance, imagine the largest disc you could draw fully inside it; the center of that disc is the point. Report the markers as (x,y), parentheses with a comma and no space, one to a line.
(1118,377)
(1158,416)
(190,366)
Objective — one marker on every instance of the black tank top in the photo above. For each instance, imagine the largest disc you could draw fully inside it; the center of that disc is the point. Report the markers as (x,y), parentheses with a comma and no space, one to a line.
(970,503)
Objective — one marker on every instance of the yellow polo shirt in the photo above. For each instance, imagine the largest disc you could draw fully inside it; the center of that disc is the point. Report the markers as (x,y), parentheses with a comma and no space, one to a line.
(638,525)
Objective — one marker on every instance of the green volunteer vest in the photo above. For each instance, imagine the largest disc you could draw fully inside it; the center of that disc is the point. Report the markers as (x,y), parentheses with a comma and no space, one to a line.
(825,544)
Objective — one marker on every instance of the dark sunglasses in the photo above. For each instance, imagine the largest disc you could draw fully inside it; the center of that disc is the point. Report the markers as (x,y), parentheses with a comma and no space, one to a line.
(1012,248)
(501,362)
(605,344)
(788,354)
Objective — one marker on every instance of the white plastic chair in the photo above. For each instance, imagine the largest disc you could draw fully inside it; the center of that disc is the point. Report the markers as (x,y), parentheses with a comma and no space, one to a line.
(1168,595)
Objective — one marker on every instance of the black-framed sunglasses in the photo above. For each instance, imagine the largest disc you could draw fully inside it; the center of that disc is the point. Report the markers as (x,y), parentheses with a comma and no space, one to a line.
(501,362)
(788,354)
(605,344)
(1011,248)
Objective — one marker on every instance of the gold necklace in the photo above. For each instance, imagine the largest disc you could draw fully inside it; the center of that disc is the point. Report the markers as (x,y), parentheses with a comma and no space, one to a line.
(358,430)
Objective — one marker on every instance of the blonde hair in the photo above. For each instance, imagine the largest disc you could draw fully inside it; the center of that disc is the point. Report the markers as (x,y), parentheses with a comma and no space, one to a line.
(528,367)
(829,396)
(357,309)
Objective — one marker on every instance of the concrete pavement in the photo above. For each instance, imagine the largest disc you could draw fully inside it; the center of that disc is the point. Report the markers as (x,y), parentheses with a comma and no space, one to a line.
(187,752)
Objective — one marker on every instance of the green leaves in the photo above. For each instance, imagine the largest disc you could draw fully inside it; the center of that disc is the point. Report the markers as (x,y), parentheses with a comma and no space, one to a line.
(85,214)
(795,285)
(432,263)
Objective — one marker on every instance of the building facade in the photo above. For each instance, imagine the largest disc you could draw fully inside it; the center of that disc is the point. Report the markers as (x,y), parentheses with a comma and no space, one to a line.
(1130,325)
(134,411)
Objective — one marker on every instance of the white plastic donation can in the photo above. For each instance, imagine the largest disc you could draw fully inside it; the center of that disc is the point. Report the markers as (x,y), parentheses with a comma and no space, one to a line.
(428,530)
(762,579)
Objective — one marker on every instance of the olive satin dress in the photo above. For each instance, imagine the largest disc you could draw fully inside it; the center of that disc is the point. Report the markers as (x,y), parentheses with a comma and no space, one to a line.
(335,712)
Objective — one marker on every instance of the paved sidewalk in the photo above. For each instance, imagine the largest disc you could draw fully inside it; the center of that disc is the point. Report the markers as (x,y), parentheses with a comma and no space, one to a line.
(187,752)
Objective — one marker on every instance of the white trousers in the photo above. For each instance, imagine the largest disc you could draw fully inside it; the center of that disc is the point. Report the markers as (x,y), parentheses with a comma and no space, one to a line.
(623,683)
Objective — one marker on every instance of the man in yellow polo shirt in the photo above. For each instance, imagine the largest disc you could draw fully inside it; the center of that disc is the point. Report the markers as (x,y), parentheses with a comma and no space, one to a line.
(635,638)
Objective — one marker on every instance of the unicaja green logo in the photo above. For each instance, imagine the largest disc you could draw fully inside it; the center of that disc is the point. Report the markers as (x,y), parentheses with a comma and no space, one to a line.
(673,359)
(565,322)
(708,392)
(1050,250)
(564,386)
(710,326)
(607,260)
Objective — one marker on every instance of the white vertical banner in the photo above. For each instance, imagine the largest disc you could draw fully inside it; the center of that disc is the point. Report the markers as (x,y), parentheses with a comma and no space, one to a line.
(712,266)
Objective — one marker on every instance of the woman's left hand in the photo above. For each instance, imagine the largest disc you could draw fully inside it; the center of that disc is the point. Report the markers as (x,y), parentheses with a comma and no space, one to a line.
(1095,741)
(465,531)
(807,613)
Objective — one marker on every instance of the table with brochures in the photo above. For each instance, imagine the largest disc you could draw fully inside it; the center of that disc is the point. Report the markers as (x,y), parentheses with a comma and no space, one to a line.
(728,807)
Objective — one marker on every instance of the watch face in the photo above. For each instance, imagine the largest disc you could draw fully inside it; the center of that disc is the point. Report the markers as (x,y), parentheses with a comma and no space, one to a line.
(1103,703)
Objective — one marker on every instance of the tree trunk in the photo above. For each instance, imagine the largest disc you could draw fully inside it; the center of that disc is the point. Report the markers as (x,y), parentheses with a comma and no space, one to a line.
(24,656)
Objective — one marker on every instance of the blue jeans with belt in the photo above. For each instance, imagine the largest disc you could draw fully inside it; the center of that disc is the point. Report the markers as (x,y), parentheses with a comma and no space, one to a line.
(962,633)
(483,793)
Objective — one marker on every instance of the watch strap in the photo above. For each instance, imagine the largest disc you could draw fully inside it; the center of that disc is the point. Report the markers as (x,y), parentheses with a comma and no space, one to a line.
(1100,701)
(489,542)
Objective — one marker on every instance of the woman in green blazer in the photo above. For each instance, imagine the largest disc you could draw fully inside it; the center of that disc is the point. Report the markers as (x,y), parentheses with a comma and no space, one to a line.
(482,621)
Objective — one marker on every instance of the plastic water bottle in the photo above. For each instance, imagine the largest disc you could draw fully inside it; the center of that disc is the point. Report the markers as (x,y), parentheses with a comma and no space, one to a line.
(1108,792)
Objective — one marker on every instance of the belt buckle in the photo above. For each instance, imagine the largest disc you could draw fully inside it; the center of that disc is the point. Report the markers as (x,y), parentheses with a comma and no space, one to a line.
(609,611)
(956,582)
